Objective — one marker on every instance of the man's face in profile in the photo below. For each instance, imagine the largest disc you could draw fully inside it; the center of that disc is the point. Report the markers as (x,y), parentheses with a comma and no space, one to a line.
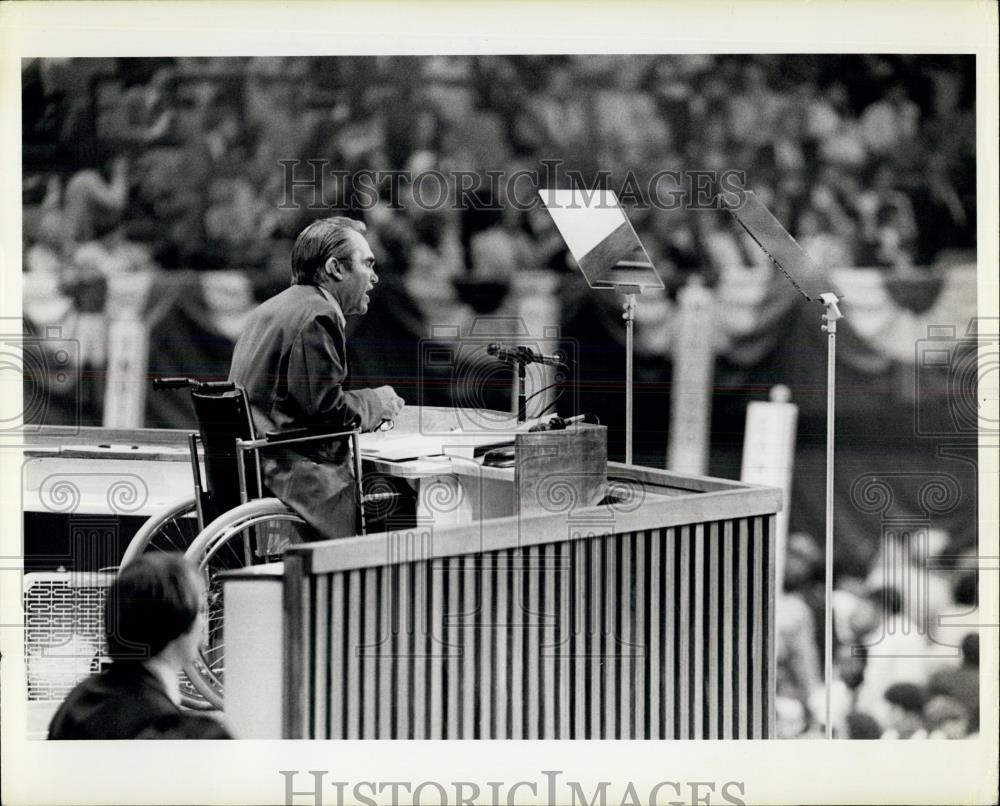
(358,276)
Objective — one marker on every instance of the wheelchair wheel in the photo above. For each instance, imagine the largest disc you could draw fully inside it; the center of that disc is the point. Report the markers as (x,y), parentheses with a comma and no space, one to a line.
(173,528)
(251,534)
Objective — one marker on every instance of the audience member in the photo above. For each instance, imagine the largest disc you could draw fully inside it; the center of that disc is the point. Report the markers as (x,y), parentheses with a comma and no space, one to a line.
(904,716)
(896,651)
(862,726)
(961,683)
(946,718)
(153,622)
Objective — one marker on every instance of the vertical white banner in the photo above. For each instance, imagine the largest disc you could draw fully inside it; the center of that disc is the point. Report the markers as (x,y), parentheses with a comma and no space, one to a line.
(769,458)
(128,351)
(691,388)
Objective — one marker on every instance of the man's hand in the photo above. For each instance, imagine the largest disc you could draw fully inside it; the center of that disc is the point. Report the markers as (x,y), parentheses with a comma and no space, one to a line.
(392,403)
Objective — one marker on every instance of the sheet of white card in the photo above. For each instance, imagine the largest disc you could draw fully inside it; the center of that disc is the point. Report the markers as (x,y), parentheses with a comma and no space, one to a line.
(581,230)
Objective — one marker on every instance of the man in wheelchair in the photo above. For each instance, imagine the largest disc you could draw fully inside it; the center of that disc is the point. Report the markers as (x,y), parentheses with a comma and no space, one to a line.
(291,360)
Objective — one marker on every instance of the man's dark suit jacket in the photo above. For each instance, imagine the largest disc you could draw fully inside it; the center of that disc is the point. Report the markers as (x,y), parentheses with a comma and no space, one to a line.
(127,701)
(292,361)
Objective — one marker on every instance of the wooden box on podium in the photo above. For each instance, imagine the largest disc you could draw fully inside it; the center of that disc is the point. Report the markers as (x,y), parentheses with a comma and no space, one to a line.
(556,468)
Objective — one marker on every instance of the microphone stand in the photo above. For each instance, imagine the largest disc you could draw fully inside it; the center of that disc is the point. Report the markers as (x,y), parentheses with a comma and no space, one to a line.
(830,316)
(521,357)
(521,383)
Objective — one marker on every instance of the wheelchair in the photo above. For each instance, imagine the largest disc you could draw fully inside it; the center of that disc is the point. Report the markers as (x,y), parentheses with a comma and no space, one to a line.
(227,524)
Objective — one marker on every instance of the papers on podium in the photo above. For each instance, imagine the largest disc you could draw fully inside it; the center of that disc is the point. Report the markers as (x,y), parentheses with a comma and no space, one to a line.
(395,447)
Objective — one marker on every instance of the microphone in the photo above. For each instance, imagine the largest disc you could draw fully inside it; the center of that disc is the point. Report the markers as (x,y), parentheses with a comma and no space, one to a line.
(504,354)
(523,355)
(557,423)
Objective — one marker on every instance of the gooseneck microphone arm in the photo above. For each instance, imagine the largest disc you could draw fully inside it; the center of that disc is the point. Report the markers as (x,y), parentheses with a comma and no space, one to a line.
(524,354)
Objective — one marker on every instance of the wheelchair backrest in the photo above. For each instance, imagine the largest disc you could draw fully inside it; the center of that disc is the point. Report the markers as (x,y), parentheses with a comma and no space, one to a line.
(224,417)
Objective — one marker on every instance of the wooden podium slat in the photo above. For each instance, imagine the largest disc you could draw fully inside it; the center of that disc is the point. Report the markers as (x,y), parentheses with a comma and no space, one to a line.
(324,658)
(698,636)
(517,621)
(356,689)
(580,645)
(626,640)
(533,621)
(564,648)
(594,643)
(370,640)
(728,632)
(669,674)
(640,639)
(502,651)
(386,647)
(452,620)
(469,633)
(334,612)
(769,658)
(549,572)
(402,691)
(487,640)
(656,677)
(421,630)
(743,631)
(757,646)
(610,647)
(684,573)
(714,654)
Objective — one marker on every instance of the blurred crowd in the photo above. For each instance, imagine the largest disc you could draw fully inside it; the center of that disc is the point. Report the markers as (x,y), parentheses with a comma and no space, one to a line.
(174,162)
(905,645)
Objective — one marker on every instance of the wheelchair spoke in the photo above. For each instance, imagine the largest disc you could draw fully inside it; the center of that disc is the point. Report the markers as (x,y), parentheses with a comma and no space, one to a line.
(179,536)
(247,548)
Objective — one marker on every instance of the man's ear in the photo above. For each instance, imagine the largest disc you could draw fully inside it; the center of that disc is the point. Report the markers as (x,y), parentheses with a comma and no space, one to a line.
(334,268)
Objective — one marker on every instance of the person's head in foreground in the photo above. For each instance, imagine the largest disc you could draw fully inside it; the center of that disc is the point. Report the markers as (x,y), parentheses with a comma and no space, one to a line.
(154,623)
(906,709)
(154,612)
(332,253)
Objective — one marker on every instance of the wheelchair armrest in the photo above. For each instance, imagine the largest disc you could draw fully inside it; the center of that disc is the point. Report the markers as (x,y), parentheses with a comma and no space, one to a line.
(306,434)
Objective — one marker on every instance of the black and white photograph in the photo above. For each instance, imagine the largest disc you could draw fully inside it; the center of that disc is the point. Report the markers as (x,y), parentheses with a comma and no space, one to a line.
(501,396)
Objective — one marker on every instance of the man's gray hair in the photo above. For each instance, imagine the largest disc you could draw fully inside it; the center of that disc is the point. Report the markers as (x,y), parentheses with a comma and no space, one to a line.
(321,240)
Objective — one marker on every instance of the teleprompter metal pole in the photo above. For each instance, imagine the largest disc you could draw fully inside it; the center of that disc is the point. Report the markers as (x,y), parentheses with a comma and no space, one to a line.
(790,260)
(830,317)
(629,316)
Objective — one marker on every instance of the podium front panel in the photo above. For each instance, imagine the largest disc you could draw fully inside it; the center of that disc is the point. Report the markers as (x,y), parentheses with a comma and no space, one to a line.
(544,627)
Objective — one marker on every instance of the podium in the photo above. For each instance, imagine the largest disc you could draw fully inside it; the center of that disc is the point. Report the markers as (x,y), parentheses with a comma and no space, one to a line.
(642,611)
(652,618)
